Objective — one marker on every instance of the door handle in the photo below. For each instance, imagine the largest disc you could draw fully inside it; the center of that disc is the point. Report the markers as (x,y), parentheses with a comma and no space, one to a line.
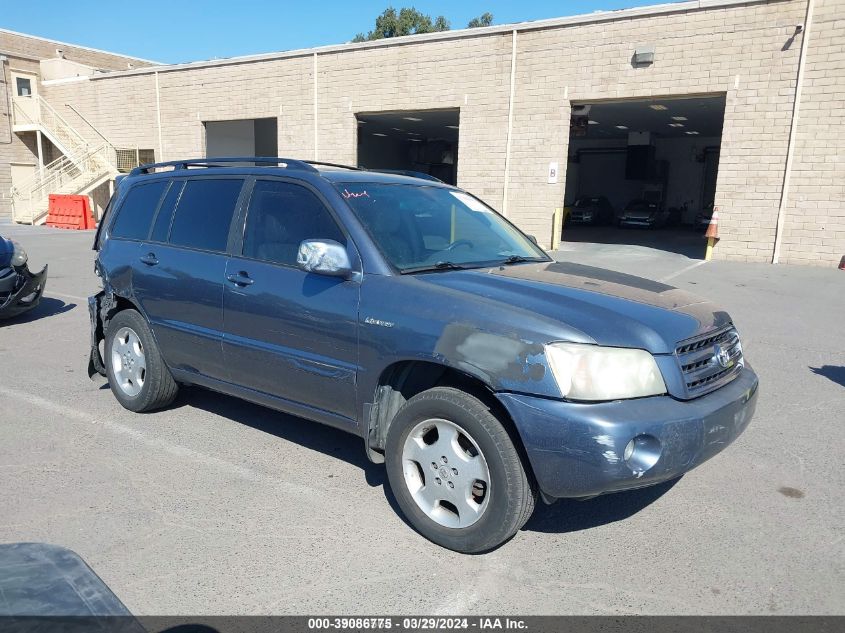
(241,279)
(149,259)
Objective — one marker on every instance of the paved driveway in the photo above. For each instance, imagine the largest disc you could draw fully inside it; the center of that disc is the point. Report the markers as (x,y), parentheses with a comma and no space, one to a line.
(217,506)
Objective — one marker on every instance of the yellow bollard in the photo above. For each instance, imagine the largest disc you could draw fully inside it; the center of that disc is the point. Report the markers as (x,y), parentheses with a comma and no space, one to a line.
(557,228)
(708,252)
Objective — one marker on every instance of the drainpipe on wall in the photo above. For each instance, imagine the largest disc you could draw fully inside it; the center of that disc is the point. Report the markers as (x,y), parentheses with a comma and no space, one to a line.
(158,119)
(316,135)
(510,126)
(793,126)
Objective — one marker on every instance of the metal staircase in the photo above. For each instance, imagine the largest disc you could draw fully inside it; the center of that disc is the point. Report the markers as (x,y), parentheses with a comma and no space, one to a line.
(82,168)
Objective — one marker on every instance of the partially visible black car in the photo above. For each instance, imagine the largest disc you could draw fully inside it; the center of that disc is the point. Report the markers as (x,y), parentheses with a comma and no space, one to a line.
(20,289)
(591,210)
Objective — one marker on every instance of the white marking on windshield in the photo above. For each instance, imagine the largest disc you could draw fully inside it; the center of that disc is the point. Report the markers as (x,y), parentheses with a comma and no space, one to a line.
(470,202)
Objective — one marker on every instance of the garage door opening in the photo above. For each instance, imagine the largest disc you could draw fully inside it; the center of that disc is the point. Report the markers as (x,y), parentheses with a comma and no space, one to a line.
(643,172)
(242,137)
(422,141)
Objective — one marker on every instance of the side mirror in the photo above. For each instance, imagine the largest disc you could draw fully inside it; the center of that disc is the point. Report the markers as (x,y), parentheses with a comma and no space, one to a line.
(533,239)
(324,257)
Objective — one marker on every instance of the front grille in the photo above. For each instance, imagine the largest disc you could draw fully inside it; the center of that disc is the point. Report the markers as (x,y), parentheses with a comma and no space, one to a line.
(710,361)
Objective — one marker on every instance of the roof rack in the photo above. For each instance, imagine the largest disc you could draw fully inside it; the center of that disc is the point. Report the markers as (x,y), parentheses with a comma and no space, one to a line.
(287,163)
(324,164)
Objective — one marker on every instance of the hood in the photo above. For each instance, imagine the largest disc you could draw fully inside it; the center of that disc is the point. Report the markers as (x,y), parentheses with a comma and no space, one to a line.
(611,308)
(6,251)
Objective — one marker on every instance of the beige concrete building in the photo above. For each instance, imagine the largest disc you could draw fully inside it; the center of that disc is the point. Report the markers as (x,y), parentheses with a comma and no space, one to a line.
(740,103)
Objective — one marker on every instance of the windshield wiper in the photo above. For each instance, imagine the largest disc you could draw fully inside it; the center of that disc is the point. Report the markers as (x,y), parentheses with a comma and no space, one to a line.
(443,265)
(518,259)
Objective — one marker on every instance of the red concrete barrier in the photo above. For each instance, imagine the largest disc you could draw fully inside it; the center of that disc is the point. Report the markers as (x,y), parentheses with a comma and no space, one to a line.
(70,212)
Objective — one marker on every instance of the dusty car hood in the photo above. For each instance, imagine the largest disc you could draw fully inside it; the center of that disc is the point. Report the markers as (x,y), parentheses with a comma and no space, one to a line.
(611,308)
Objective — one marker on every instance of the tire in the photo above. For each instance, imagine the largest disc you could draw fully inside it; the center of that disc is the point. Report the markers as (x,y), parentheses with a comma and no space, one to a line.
(137,375)
(424,430)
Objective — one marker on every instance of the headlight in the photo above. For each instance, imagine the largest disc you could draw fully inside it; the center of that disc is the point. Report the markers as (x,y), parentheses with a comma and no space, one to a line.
(592,373)
(19,256)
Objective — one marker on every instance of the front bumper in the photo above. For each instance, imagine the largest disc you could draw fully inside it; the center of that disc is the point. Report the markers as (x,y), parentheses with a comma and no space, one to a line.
(633,221)
(577,450)
(582,218)
(20,290)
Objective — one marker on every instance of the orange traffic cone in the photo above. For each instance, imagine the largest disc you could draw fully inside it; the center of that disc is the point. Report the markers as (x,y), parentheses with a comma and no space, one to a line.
(712,234)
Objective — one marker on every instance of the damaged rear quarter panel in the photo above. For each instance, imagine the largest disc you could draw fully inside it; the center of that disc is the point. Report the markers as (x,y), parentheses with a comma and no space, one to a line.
(501,345)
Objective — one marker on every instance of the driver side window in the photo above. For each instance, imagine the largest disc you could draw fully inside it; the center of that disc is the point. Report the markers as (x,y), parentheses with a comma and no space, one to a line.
(280,216)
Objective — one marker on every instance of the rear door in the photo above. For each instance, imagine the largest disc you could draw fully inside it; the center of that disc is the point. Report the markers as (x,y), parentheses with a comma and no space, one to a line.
(290,334)
(180,268)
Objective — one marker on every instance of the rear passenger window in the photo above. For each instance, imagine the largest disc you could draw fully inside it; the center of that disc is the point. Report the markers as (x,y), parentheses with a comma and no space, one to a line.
(204,213)
(136,213)
(161,226)
(281,215)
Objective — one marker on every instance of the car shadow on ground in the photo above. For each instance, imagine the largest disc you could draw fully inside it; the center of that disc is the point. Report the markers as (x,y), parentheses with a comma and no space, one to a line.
(683,241)
(307,433)
(563,516)
(572,515)
(47,308)
(835,373)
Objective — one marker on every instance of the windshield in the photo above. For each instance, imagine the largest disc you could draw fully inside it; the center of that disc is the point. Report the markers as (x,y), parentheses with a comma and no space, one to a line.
(421,228)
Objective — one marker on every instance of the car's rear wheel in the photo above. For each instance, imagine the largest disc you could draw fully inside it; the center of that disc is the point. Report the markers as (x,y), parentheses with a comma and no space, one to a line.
(456,472)
(137,375)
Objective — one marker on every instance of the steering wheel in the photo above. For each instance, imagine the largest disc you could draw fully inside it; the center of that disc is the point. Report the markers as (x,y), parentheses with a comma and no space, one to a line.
(458,243)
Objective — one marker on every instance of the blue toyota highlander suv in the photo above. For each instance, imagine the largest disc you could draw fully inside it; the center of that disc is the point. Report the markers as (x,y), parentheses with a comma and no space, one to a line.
(408,312)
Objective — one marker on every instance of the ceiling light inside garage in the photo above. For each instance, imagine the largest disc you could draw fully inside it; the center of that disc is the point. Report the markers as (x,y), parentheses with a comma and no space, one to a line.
(676,125)
(378,134)
(411,118)
(398,129)
(591,122)
(679,118)
(657,106)
(452,127)
(621,127)
(415,140)
(692,133)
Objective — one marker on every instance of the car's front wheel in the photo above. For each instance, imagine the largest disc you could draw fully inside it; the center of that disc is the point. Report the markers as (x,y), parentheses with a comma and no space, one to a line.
(137,375)
(456,472)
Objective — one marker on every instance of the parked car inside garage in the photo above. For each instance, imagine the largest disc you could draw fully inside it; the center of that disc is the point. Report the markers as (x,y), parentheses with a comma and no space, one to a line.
(643,213)
(591,210)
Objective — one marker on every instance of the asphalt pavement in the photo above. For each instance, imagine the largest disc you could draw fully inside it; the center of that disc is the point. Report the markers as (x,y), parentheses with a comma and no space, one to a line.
(216,506)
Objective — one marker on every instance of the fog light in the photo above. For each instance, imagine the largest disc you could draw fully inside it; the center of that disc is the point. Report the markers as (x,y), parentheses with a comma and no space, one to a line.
(641,453)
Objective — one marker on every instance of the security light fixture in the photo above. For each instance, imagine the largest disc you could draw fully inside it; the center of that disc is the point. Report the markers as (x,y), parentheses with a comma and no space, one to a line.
(657,106)
(643,56)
